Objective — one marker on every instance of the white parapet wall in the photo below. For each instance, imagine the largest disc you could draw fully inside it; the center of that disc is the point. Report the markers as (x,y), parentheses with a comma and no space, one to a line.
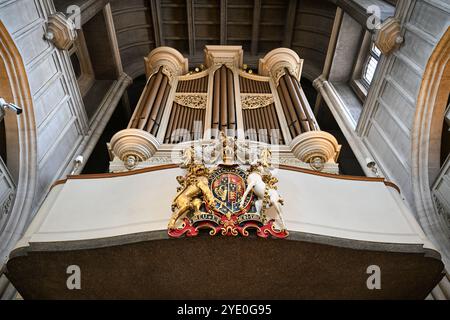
(104,206)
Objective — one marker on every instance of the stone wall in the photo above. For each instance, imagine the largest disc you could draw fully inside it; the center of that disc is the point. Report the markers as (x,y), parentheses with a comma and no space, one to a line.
(59,124)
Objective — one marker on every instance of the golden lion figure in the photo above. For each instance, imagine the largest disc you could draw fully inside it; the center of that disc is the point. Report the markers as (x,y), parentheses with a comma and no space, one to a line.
(190,197)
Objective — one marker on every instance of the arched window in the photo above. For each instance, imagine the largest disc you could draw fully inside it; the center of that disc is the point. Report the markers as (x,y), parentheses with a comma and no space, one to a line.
(441,187)
(21,146)
(365,66)
(373,57)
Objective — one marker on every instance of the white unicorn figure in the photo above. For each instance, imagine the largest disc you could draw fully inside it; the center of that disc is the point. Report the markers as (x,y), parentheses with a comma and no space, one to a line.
(187,157)
(266,194)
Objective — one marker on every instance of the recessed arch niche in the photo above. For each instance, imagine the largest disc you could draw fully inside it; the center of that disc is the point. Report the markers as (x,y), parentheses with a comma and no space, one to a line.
(21,149)
(426,143)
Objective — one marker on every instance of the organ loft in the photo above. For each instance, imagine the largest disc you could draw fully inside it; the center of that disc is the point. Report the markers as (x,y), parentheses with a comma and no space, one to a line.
(221,157)
(233,149)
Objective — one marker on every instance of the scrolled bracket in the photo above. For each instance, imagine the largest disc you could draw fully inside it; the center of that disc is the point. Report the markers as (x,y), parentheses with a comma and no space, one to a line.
(316,148)
(133,146)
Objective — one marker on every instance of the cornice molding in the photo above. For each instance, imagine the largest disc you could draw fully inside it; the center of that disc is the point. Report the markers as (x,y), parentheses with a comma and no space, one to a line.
(173,63)
(275,63)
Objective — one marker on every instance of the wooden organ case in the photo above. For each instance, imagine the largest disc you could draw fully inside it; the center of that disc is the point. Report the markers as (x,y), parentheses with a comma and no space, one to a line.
(178,106)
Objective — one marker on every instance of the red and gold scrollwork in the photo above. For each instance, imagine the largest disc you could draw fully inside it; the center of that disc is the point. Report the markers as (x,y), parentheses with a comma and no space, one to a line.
(227,200)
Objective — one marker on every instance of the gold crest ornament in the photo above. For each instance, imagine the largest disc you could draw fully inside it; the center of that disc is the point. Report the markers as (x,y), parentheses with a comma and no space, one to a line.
(193,192)
(227,198)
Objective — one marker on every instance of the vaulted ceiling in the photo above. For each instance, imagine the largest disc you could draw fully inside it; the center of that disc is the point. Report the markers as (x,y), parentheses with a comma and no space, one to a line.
(258,25)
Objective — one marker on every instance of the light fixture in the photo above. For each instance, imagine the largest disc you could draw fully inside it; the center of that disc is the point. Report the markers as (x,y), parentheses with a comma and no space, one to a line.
(8,105)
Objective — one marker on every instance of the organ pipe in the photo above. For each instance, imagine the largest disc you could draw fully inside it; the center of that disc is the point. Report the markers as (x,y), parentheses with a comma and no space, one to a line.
(216,101)
(289,106)
(148,104)
(308,111)
(231,100)
(297,111)
(263,119)
(157,104)
(193,86)
(184,117)
(295,98)
(157,124)
(253,86)
(149,112)
(223,99)
(223,106)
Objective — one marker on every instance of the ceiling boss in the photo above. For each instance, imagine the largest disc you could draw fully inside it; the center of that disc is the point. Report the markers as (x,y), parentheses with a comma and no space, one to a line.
(228,189)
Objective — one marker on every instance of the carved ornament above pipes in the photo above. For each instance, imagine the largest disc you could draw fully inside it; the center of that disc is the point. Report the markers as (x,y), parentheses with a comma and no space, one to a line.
(388,38)
(60,31)
(275,63)
(172,61)
(256,100)
(191,100)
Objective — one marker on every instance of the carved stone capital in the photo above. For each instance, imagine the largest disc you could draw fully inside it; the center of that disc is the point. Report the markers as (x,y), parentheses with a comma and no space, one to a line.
(388,37)
(133,145)
(60,31)
(275,63)
(171,60)
(316,148)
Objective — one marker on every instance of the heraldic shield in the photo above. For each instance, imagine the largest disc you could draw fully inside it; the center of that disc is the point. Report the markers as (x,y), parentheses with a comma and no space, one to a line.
(226,200)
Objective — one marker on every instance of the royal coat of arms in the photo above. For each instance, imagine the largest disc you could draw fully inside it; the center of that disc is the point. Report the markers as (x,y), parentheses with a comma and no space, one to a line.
(225,198)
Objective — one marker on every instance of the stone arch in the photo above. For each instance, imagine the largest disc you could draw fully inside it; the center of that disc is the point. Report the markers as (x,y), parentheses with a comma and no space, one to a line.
(21,147)
(426,143)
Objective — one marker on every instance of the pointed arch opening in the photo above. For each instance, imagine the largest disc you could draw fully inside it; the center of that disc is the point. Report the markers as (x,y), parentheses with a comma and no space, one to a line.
(426,144)
(20,149)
